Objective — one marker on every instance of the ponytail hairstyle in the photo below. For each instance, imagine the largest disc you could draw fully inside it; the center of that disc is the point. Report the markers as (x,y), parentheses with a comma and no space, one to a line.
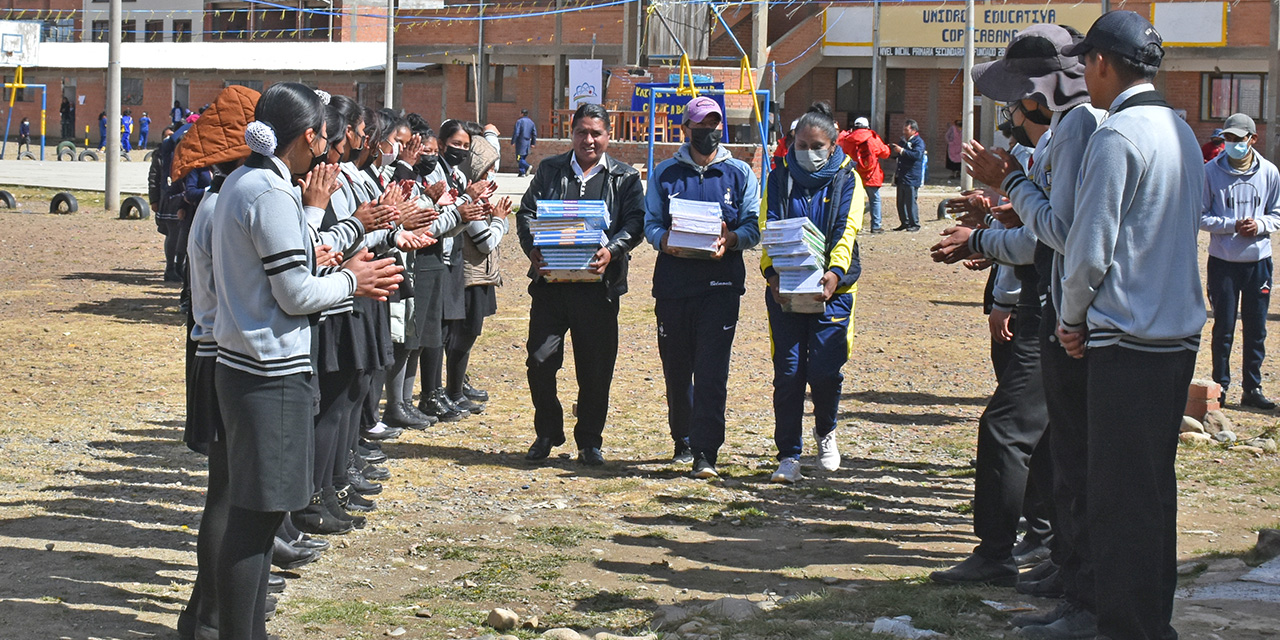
(284,113)
(419,126)
(819,117)
(473,129)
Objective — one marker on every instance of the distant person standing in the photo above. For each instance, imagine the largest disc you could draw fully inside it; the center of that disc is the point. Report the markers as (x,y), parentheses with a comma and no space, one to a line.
(1241,211)
(910,175)
(24,135)
(144,128)
(955,139)
(178,114)
(126,130)
(1213,147)
(523,137)
(67,113)
(866,148)
(102,131)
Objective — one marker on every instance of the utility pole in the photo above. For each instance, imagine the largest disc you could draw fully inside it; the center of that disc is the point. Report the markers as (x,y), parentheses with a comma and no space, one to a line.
(966,181)
(389,78)
(482,74)
(759,33)
(1271,110)
(113,107)
(877,73)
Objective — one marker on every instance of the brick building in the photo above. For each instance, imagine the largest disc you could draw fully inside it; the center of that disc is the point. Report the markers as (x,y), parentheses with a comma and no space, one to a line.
(1220,55)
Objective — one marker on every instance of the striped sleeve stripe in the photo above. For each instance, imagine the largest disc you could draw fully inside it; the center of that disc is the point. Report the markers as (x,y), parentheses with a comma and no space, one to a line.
(283,254)
(274,365)
(285,266)
(1106,338)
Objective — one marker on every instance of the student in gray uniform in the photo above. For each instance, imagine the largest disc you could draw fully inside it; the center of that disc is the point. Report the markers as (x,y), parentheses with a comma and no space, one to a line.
(263,262)
(1132,309)
(1241,211)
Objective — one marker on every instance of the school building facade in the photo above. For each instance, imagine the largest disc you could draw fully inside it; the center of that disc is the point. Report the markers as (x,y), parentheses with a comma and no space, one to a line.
(1220,58)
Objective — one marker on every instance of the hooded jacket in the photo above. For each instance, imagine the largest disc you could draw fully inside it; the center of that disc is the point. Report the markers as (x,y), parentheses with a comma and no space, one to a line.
(1238,195)
(832,198)
(727,181)
(623,196)
(866,148)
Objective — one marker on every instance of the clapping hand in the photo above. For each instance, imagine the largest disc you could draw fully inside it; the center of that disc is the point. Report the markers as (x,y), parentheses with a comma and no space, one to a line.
(412,240)
(318,185)
(374,216)
(988,166)
(971,207)
(953,247)
(327,257)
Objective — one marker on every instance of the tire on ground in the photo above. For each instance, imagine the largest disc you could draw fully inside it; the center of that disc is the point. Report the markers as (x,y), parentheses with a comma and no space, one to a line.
(147,158)
(26,155)
(8,200)
(88,154)
(66,155)
(68,145)
(135,208)
(63,202)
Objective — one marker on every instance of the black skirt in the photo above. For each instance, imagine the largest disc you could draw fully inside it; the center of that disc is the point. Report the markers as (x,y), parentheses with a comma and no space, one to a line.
(204,418)
(364,343)
(428,308)
(454,303)
(270,427)
(482,302)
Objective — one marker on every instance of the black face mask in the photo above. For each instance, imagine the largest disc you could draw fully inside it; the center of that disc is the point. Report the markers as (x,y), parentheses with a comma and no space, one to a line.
(426,164)
(455,156)
(318,160)
(705,141)
(1020,136)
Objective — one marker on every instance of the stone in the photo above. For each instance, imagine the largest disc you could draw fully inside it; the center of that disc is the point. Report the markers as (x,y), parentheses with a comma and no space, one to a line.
(503,619)
(511,519)
(688,628)
(1242,448)
(49,547)
(669,616)
(1268,445)
(1215,421)
(1228,564)
(1191,438)
(1191,425)
(508,637)
(1225,436)
(830,580)
(605,635)
(529,623)
(1268,543)
(1189,568)
(561,634)
(734,609)
(396,632)
(423,613)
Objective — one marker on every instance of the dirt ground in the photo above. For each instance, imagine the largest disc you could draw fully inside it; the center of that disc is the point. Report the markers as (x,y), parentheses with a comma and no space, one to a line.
(101,501)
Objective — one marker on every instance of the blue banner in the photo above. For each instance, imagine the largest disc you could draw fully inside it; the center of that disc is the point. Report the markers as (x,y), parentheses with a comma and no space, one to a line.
(669,102)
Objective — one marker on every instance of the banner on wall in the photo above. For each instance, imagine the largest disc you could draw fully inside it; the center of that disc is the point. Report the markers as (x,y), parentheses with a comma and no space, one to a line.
(669,102)
(585,86)
(938,30)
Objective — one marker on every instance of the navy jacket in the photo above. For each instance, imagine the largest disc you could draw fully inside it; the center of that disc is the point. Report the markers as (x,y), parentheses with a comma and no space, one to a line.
(911,162)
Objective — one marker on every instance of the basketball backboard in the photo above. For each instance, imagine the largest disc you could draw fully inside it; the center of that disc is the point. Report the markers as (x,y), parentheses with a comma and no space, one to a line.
(19,43)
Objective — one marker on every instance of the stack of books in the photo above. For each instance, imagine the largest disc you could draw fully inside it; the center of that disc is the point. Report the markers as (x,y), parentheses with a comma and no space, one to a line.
(695,228)
(798,251)
(569,233)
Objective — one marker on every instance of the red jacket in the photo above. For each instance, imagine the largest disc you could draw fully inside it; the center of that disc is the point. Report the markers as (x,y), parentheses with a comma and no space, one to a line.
(866,148)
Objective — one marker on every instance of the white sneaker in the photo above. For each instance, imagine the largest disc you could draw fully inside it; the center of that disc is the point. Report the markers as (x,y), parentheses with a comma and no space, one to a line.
(788,471)
(828,452)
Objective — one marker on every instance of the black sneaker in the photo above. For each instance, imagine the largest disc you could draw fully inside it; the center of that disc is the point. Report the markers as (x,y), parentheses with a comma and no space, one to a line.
(1030,551)
(467,405)
(352,501)
(1255,399)
(683,455)
(479,395)
(978,570)
(1041,618)
(1075,624)
(703,470)
(413,412)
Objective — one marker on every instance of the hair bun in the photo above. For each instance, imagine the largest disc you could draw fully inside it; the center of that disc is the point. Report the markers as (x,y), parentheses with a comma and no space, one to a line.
(261,138)
(821,108)
(324,97)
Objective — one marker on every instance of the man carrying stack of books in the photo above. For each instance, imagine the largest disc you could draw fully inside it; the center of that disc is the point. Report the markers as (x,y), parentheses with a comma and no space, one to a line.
(701,211)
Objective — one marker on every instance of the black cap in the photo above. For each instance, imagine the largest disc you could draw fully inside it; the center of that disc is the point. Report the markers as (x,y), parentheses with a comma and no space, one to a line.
(1122,32)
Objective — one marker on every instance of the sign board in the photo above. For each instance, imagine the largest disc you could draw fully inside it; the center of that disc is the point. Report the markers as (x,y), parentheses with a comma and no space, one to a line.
(585,86)
(669,102)
(1191,24)
(939,29)
(19,43)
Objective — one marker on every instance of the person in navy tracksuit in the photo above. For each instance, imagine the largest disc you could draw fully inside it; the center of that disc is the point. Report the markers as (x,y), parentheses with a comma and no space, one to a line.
(818,181)
(698,299)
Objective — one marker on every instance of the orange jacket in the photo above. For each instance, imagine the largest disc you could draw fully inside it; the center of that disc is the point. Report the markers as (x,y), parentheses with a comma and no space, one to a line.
(866,148)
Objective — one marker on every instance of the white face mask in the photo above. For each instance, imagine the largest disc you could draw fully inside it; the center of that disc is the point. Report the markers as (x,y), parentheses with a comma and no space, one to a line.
(812,160)
(1238,150)
(388,158)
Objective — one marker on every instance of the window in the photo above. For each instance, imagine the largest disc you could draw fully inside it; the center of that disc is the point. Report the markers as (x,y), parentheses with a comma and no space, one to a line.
(853,91)
(131,91)
(500,85)
(256,85)
(129,31)
(155,30)
(182,31)
(101,30)
(22,93)
(58,31)
(1223,94)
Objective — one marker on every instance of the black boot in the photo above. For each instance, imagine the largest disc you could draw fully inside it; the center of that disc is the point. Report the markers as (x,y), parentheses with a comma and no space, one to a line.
(336,508)
(444,397)
(369,471)
(352,501)
(435,405)
(287,556)
(414,413)
(467,404)
(315,518)
(479,395)
(361,485)
(395,417)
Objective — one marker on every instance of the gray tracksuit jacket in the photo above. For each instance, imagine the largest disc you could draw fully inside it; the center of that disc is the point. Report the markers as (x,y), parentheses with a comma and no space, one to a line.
(1237,195)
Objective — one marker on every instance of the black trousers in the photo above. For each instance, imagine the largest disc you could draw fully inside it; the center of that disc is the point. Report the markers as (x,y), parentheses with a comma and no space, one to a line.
(1065,392)
(695,340)
(585,311)
(1136,400)
(1242,288)
(1008,432)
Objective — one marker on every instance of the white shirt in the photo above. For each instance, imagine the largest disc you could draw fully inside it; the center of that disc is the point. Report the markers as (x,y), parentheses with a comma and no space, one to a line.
(585,176)
(1129,93)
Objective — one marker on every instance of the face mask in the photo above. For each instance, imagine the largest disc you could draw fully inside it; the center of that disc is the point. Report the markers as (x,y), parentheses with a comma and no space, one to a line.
(705,141)
(1020,136)
(427,164)
(1238,150)
(812,160)
(388,158)
(455,156)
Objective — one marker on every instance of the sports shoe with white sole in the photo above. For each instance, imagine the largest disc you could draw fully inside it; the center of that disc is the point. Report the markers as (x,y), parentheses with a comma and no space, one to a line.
(703,469)
(828,452)
(788,471)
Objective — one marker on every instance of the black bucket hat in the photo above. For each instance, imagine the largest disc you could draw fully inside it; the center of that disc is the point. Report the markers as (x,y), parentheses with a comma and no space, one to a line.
(1034,66)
